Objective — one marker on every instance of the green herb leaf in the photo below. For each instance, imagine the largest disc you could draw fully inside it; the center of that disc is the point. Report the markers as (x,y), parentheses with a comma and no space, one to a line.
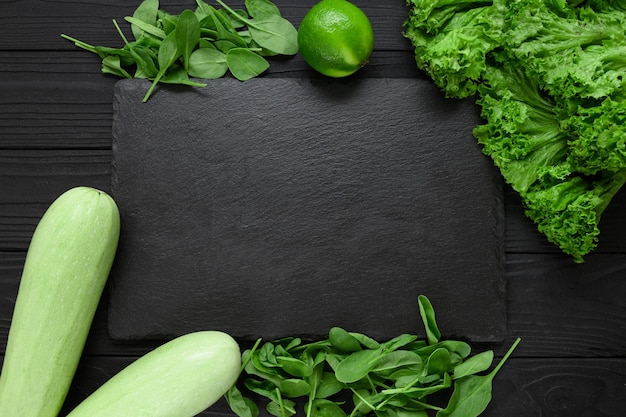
(146,27)
(146,13)
(357,365)
(428,317)
(476,364)
(240,405)
(389,379)
(274,34)
(225,31)
(111,65)
(294,388)
(146,67)
(294,366)
(438,362)
(343,340)
(399,342)
(203,43)
(392,361)
(168,54)
(326,408)
(260,9)
(329,386)
(271,31)
(472,393)
(187,35)
(177,75)
(244,64)
(207,63)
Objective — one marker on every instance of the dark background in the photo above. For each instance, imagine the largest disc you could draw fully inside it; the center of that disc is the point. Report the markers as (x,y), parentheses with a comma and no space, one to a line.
(55,133)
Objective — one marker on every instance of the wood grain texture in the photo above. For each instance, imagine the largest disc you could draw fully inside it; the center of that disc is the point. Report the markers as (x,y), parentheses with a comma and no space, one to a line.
(548,388)
(55,118)
(523,388)
(46,174)
(557,306)
(37,24)
(74,113)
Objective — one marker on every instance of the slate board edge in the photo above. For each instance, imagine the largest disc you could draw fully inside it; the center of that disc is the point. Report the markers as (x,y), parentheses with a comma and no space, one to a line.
(498,335)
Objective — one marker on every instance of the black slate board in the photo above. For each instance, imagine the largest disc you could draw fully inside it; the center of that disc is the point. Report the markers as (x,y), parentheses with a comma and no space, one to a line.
(280,207)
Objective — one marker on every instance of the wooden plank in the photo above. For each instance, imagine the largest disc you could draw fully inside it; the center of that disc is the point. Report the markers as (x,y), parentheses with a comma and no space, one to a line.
(523,387)
(10,270)
(17,224)
(562,309)
(55,111)
(567,387)
(77,65)
(46,174)
(37,24)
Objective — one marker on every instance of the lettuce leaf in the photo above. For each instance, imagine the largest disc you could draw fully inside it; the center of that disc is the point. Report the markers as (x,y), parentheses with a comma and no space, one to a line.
(549,76)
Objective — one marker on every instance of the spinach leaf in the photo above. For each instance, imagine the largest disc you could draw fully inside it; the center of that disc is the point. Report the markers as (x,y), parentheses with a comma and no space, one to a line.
(274,34)
(294,366)
(428,317)
(245,64)
(260,9)
(187,35)
(146,13)
(111,65)
(472,393)
(271,31)
(343,340)
(146,27)
(476,364)
(240,405)
(352,374)
(204,43)
(207,63)
(177,75)
(326,408)
(168,54)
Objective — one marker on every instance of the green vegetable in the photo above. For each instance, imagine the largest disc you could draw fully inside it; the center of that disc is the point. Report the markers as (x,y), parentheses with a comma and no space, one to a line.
(180,378)
(396,377)
(549,77)
(204,43)
(67,264)
(472,393)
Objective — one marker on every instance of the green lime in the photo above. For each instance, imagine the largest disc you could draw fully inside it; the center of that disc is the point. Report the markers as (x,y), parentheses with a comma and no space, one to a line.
(335,38)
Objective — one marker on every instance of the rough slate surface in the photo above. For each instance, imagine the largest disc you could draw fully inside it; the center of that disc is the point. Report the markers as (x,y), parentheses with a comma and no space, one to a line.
(281,207)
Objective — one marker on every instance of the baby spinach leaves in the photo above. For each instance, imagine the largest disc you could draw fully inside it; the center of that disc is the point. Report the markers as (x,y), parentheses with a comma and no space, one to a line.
(350,374)
(204,43)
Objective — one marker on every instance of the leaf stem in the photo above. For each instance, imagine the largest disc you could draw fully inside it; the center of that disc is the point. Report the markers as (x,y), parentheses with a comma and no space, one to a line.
(81,44)
(252,350)
(119,30)
(280,402)
(506,356)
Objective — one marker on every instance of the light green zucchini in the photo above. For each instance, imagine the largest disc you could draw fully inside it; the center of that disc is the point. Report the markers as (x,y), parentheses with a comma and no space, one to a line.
(67,264)
(180,378)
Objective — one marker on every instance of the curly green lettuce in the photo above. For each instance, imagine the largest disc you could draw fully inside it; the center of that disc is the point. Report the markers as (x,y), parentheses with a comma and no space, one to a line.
(549,76)
(598,136)
(522,133)
(575,52)
(452,40)
(568,211)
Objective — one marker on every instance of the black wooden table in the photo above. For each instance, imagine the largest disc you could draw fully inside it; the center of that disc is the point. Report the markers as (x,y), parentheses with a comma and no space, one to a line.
(55,133)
